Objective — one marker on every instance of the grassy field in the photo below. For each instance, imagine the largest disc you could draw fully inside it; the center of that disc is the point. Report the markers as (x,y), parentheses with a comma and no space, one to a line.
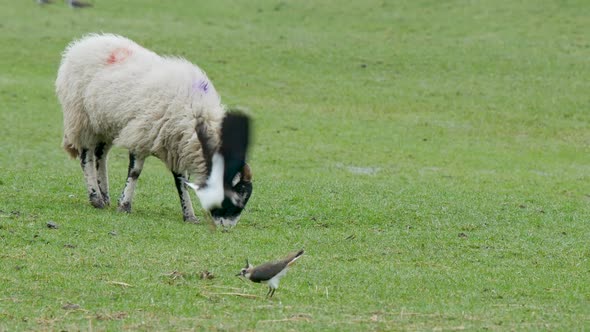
(432,157)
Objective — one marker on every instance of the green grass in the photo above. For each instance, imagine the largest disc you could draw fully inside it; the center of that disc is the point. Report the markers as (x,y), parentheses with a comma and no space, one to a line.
(432,157)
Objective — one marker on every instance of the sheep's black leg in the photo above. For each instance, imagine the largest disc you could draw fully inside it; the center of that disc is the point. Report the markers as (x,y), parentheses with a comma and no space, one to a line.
(188,214)
(100,153)
(135,167)
(88,164)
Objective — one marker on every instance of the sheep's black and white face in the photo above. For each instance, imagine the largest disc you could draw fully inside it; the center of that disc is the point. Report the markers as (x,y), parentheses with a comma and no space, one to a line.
(229,182)
(233,204)
(226,202)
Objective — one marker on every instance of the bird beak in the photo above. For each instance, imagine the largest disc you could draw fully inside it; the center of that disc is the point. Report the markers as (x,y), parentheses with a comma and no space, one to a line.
(239,275)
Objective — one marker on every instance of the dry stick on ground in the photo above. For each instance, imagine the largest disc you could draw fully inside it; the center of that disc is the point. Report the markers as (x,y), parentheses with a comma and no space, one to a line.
(291,319)
(119,283)
(220,286)
(174,275)
(249,296)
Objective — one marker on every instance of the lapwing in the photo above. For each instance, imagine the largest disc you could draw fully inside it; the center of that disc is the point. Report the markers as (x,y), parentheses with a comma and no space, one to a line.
(269,273)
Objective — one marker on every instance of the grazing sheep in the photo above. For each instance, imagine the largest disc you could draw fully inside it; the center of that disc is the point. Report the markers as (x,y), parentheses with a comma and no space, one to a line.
(115,92)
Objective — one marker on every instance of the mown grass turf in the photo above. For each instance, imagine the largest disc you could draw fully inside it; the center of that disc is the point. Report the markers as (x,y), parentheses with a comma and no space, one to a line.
(431,157)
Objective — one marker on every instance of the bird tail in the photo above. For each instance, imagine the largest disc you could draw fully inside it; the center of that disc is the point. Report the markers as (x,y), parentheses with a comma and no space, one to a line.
(293,258)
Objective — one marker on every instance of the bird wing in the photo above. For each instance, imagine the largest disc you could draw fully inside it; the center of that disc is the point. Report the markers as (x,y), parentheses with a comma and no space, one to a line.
(270,270)
(267,271)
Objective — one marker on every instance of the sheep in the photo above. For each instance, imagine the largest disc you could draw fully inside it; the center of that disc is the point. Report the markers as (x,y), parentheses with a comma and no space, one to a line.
(114,92)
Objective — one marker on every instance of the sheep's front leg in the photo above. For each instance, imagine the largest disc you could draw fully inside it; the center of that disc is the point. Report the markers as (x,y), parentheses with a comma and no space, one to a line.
(188,214)
(135,167)
(100,153)
(88,163)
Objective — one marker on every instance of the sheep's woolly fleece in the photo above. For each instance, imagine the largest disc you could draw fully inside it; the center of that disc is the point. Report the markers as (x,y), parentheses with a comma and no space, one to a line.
(113,90)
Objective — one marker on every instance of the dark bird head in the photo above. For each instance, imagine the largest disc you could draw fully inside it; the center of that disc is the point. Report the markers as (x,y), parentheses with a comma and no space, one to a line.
(245,271)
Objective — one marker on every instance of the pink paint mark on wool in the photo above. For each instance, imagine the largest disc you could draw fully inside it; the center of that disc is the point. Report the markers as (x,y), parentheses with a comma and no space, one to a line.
(118,55)
(200,85)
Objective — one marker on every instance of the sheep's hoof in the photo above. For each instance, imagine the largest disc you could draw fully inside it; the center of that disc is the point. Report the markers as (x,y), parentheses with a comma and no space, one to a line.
(106,199)
(124,207)
(191,219)
(97,202)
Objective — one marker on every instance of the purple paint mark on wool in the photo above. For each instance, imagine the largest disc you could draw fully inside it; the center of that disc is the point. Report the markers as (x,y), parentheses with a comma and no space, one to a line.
(202,85)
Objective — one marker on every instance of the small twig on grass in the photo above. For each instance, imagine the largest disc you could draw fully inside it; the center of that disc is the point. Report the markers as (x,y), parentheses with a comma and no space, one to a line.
(267,306)
(249,296)
(48,321)
(295,318)
(403,313)
(174,275)
(119,283)
(113,316)
(11,299)
(224,287)
(76,310)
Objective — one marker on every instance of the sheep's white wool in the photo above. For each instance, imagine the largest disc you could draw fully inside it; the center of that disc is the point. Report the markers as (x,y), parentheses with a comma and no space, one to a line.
(112,90)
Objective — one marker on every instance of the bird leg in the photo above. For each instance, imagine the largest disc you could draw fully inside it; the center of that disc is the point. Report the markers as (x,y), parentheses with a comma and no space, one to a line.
(271,292)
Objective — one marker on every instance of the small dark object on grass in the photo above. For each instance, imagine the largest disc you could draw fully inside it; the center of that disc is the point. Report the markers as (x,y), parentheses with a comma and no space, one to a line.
(52,225)
(206,275)
(70,306)
(71,246)
(78,4)
(14,214)
(462,235)
(113,233)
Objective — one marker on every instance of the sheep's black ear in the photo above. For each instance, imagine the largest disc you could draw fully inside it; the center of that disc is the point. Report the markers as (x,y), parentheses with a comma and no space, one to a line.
(235,138)
(206,144)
